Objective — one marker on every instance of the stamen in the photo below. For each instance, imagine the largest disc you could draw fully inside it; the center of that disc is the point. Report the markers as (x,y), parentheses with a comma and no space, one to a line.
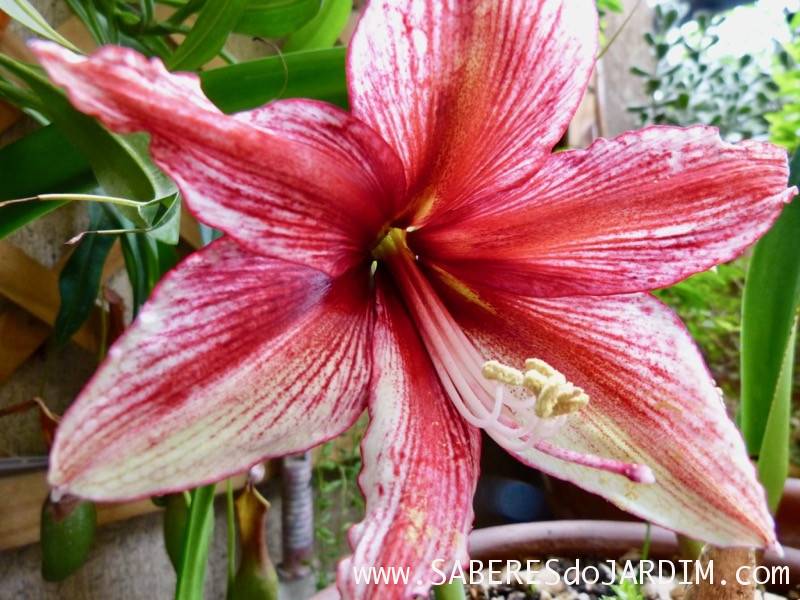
(555,395)
(635,472)
(552,397)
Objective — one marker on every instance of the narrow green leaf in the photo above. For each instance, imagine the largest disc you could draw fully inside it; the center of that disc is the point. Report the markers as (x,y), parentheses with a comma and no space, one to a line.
(24,13)
(19,97)
(109,18)
(88,15)
(771,296)
(324,29)
(276,18)
(148,9)
(165,258)
(79,280)
(199,530)
(136,268)
(214,23)
(318,74)
(773,458)
(450,591)
(185,10)
(769,309)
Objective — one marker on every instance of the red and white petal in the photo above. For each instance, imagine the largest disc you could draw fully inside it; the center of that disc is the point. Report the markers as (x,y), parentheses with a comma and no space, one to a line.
(635,213)
(420,466)
(471,95)
(235,358)
(298,179)
(652,402)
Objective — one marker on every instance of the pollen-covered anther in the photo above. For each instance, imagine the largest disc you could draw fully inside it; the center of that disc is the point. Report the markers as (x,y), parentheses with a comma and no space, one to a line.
(497,371)
(555,395)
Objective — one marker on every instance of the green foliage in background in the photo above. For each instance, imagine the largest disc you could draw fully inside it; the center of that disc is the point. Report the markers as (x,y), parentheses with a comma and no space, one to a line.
(710,304)
(736,95)
(784,124)
(338,502)
(604,7)
(687,86)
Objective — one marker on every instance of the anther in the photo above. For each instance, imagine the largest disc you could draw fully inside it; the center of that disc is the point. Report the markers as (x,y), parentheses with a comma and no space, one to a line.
(555,395)
(497,371)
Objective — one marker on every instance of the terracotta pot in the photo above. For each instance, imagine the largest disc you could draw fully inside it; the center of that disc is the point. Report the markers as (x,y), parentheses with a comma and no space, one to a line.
(567,501)
(787,521)
(571,539)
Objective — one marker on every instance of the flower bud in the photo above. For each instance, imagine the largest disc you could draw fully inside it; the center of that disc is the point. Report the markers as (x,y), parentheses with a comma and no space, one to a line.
(256,578)
(67,534)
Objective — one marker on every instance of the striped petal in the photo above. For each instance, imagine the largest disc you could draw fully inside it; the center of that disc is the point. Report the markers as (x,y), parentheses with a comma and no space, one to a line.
(471,95)
(235,358)
(420,466)
(639,212)
(297,179)
(652,402)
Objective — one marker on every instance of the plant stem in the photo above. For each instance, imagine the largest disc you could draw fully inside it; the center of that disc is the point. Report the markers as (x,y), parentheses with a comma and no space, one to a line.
(231,535)
(450,591)
(196,541)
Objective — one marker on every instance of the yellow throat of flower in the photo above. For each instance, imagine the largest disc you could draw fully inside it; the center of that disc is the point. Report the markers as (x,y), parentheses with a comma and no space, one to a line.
(393,241)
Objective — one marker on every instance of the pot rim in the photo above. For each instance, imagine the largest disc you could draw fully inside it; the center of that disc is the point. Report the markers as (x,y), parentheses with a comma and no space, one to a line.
(603,539)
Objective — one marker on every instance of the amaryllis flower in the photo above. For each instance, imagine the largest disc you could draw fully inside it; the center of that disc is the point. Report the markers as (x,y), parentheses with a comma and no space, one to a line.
(381,258)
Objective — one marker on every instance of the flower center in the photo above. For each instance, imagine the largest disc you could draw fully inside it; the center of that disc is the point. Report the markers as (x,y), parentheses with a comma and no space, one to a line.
(519,410)
(393,242)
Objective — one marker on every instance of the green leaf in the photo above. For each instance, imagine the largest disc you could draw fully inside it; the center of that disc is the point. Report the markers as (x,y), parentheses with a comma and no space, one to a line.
(610,5)
(122,165)
(670,19)
(276,18)
(41,162)
(136,268)
(24,13)
(214,23)
(176,513)
(91,19)
(324,29)
(318,74)
(146,260)
(167,227)
(773,458)
(639,72)
(196,542)
(771,297)
(79,280)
